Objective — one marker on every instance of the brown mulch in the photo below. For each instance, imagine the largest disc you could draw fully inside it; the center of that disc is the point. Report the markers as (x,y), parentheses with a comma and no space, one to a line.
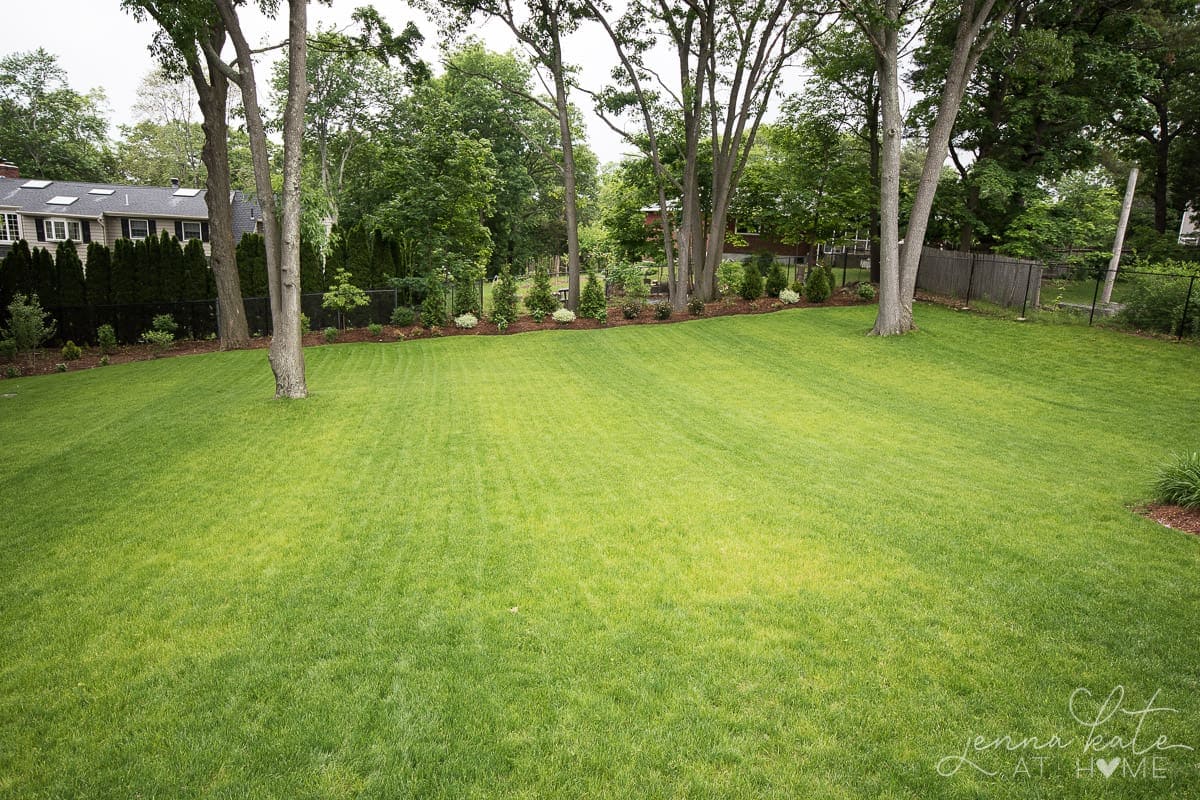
(1177,517)
(46,362)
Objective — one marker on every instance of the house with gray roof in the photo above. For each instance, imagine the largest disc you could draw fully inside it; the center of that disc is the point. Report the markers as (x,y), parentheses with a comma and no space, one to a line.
(46,212)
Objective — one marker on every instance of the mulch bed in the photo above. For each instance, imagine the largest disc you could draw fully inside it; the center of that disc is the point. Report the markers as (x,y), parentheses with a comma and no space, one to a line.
(46,362)
(1177,517)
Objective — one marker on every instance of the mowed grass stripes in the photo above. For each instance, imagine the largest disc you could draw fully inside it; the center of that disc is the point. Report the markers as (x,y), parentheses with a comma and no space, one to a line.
(759,557)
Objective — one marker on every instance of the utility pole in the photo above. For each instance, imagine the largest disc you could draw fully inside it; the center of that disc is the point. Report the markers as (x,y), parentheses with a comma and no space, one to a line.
(1120,240)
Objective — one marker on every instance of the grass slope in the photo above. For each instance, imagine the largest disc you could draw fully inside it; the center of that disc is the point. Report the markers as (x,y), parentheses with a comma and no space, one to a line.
(762,557)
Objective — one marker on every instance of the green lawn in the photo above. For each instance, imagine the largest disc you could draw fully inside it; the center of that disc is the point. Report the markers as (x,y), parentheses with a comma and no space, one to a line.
(756,557)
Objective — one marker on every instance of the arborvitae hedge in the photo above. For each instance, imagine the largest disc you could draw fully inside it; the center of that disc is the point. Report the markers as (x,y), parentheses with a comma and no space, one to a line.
(311,277)
(252,265)
(69,276)
(99,274)
(199,284)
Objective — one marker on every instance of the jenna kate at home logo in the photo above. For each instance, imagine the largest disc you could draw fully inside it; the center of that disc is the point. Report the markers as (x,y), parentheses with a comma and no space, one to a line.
(1116,737)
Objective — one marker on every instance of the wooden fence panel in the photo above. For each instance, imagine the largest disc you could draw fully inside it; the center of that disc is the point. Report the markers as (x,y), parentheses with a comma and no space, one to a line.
(1008,282)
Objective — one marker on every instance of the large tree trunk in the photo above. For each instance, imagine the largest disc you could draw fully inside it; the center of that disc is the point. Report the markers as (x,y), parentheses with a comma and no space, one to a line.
(891,318)
(1162,152)
(571,209)
(968,46)
(287,353)
(212,92)
(873,148)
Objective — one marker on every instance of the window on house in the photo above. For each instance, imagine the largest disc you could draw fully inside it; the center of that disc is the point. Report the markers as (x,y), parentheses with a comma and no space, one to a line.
(191,230)
(139,228)
(10,227)
(59,230)
(742,227)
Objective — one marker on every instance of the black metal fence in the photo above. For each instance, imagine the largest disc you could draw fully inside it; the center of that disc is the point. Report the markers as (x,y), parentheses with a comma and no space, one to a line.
(1150,301)
(199,319)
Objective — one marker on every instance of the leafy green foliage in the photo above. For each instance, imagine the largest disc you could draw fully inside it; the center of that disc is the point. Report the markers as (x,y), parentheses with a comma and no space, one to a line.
(751,286)
(504,299)
(816,285)
(71,351)
(591,300)
(541,298)
(28,324)
(1178,482)
(865,290)
(343,296)
(467,298)
(47,128)
(776,280)
(433,308)
(375,329)
(729,278)
(330,335)
(164,323)
(8,349)
(106,337)
(159,340)
(631,310)
(1155,303)
(403,316)
(662,310)
(695,307)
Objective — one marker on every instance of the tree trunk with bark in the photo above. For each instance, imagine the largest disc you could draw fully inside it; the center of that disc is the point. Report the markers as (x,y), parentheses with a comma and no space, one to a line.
(212,92)
(566,141)
(285,355)
(890,318)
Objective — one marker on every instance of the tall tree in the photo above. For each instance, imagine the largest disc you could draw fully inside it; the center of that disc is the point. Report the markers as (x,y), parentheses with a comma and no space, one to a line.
(540,26)
(48,129)
(282,235)
(189,43)
(730,54)
(882,21)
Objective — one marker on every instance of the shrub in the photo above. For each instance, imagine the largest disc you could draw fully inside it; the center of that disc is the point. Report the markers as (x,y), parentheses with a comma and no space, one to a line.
(538,316)
(696,307)
(71,351)
(330,335)
(107,338)
(104,361)
(466,321)
(816,285)
(752,282)
(788,296)
(1154,303)
(159,340)
(564,316)
(343,296)
(602,317)
(623,276)
(776,280)
(164,323)
(8,349)
(541,297)
(28,325)
(60,367)
(866,291)
(638,291)
(631,310)
(1178,482)
(729,278)
(764,261)
(305,323)
(504,300)
(12,372)
(662,310)
(403,316)
(466,291)
(591,300)
(375,329)
(433,307)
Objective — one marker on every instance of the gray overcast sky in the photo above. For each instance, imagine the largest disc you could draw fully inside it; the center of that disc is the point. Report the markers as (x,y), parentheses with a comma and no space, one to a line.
(99,45)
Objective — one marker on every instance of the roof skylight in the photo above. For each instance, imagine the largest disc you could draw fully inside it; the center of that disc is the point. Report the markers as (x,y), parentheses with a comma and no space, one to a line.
(186,192)
(61,201)
(101,191)
(35,184)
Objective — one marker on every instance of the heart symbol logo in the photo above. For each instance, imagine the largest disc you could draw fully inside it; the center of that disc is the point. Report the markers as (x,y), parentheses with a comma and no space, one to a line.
(1108,767)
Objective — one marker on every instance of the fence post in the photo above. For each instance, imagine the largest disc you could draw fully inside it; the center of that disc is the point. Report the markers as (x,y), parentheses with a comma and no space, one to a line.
(217,307)
(970,282)
(1186,303)
(1095,297)
(1025,299)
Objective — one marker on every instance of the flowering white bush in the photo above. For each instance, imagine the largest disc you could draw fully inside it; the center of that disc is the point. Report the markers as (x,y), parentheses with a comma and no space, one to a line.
(564,316)
(788,296)
(466,321)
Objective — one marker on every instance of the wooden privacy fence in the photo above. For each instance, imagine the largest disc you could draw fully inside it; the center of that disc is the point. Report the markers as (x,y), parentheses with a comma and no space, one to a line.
(1005,281)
